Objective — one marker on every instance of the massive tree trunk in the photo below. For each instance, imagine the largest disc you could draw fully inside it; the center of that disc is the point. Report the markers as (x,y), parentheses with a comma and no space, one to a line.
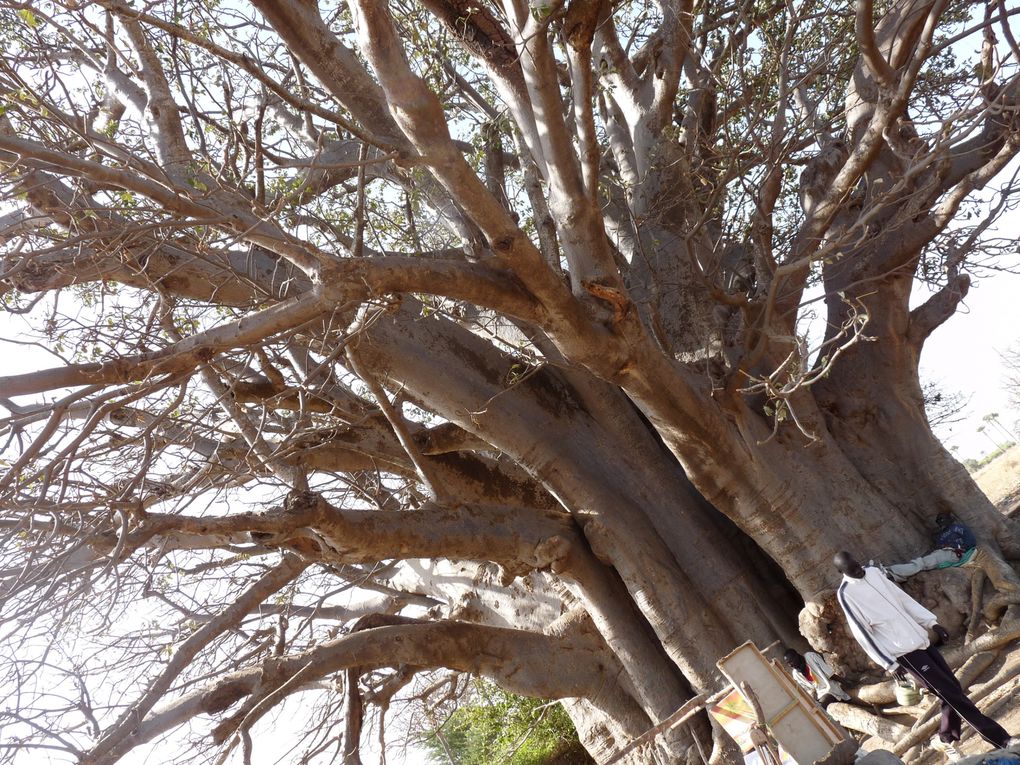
(632,502)
(875,409)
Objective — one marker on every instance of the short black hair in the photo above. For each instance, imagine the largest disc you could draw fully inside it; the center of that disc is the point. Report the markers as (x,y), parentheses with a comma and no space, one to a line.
(841,559)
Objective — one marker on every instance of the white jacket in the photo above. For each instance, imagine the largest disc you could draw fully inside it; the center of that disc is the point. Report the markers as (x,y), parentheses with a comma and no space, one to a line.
(883,618)
(822,674)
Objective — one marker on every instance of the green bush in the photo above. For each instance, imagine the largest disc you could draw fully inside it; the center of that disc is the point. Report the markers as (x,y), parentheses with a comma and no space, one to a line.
(975,465)
(494,727)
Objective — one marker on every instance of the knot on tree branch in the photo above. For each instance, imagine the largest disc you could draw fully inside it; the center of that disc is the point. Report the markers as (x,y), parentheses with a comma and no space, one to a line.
(621,304)
(600,540)
(473,24)
(554,553)
(301,502)
(821,169)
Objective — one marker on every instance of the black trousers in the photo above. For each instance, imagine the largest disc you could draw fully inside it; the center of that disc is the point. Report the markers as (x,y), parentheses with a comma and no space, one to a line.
(931,670)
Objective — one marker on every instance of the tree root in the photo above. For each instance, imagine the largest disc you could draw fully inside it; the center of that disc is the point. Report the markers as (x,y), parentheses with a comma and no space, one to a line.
(859,719)
(977,585)
(975,666)
(989,641)
(876,693)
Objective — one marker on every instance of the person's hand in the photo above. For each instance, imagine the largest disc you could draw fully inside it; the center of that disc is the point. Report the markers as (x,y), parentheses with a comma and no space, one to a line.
(900,674)
(941,635)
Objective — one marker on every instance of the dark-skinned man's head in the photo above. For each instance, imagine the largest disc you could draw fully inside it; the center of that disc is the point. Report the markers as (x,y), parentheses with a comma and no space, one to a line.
(845,563)
(794,660)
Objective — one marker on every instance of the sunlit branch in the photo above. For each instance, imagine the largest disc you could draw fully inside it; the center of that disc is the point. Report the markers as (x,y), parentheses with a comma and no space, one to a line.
(515,657)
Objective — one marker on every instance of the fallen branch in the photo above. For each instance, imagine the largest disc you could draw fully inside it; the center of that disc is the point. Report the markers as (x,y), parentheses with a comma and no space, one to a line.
(988,641)
(975,667)
(876,693)
(859,719)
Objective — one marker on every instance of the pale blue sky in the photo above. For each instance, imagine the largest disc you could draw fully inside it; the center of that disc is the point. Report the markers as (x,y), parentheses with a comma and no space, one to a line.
(964,355)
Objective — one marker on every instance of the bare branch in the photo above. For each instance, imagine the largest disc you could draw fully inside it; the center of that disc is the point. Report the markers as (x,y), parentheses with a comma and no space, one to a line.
(123,735)
(873,58)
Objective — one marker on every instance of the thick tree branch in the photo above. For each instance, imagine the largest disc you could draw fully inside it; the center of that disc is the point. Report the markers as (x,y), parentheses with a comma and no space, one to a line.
(873,58)
(999,123)
(516,659)
(479,32)
(420,116)
(176,358)
(904,38)
(579,30)
(663,73)
(574,208)
(521,539)
(335,65)
(395,418)
(171,146)
(349,280)
(937,309)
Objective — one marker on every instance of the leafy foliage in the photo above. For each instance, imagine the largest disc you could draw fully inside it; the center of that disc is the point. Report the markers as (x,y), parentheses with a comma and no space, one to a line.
(499,727)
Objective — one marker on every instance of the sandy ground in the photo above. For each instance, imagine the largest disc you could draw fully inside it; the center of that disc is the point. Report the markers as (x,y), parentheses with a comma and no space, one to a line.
(1000,480)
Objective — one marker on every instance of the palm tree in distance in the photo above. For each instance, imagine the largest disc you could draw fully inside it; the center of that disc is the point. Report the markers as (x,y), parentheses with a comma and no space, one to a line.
(993,419)
(990,437)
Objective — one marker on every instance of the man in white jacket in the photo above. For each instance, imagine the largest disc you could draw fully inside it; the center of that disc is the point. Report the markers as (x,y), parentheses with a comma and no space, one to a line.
(892,628)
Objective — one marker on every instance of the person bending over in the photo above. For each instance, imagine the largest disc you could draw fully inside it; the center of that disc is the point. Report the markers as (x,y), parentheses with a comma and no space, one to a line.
(814,675)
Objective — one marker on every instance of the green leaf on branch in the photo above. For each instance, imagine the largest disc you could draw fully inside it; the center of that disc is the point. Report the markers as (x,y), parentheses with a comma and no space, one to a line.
(29,18)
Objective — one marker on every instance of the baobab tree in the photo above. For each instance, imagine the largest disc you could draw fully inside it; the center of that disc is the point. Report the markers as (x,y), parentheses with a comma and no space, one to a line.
(496,312)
